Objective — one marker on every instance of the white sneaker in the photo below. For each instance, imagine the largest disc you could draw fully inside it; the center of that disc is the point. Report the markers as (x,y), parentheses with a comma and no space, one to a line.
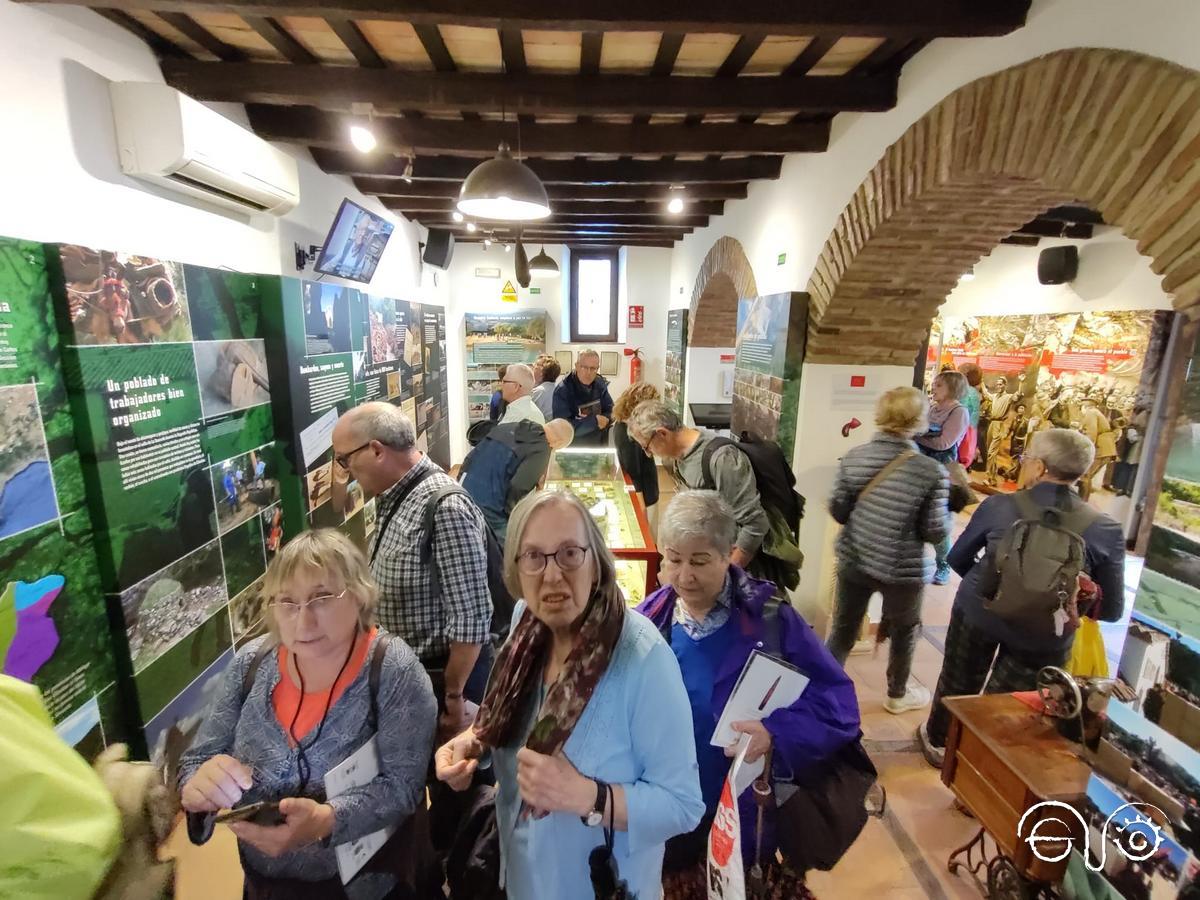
(915,697)
(935,756)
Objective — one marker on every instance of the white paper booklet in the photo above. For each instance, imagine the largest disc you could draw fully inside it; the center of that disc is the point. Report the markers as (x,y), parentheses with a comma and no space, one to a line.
(358,769)
(765,685)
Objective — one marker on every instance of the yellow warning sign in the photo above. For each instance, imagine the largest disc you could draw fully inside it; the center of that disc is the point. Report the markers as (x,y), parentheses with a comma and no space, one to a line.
(509,294)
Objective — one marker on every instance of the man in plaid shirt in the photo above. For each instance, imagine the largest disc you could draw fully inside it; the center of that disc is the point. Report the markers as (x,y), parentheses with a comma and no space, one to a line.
(376,444)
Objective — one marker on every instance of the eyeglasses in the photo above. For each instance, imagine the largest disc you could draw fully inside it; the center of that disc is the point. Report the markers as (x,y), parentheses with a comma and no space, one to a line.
(287,608)
(583,368)
(568,558)
(343,460)
(649,443)
(517,383)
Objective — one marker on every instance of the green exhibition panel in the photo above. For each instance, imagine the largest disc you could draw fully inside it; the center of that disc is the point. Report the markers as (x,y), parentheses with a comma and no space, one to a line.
(54,628)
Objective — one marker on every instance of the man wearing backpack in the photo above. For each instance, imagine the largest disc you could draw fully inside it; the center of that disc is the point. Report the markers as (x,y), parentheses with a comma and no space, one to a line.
(766,538)
(1016,603)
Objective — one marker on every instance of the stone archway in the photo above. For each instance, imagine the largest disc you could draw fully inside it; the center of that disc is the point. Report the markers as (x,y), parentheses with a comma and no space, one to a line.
(1118,131)
(724,276)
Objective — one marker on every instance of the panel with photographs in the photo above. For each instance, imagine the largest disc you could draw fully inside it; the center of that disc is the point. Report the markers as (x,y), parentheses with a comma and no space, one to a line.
(54,623)
(1149,756)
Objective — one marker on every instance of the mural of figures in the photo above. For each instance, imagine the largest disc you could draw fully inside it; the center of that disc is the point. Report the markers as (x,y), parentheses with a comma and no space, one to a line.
(1093,372)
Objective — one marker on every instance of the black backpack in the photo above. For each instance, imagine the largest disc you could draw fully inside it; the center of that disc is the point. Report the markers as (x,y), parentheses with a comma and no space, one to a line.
(774,476)
(503,603)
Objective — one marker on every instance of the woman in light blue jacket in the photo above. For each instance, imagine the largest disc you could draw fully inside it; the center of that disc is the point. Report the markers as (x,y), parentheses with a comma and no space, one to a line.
(585,718)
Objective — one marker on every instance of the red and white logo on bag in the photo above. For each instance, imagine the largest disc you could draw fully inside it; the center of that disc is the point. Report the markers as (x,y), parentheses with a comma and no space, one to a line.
(725,828)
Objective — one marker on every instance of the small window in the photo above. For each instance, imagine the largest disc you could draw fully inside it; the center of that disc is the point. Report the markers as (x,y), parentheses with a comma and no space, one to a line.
(594,296)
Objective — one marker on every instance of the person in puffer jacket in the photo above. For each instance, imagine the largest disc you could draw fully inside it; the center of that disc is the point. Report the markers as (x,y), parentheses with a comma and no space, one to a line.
(509,463)
(892,501)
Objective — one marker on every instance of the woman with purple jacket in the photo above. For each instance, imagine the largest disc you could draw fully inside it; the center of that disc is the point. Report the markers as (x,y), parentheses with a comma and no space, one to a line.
(711,613)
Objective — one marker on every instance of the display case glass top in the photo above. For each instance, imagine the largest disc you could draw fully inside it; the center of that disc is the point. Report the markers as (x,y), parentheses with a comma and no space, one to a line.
(595,477)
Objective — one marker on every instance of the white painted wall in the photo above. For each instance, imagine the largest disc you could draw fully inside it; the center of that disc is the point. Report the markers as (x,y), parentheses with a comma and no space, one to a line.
(795,214)
(643,278)
(1112,275)
(59,178)
(704,373)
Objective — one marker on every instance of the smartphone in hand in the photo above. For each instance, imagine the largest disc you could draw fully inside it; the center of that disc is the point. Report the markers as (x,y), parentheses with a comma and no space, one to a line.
(265,812)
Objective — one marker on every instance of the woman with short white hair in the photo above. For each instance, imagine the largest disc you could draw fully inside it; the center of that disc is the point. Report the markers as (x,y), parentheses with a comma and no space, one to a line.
(298,702)
(714,616)
(891,501)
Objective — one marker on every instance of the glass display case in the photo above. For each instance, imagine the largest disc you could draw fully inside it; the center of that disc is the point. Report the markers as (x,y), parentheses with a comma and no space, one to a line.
(596,478)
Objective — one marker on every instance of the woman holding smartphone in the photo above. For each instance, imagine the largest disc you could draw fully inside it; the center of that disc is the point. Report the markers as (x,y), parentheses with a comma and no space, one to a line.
(298,702)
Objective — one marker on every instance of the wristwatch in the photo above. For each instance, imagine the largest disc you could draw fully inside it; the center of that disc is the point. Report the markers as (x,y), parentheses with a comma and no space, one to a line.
(596,816)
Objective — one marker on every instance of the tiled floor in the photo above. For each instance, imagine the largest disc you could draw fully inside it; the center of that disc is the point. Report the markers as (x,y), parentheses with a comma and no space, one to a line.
(901,857)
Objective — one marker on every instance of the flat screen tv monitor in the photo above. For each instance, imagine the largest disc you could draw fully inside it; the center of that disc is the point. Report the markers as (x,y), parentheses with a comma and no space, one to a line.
(354,244)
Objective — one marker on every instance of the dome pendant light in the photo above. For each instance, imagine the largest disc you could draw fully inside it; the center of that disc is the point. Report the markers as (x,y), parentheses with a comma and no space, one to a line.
(503,189)
(542,266)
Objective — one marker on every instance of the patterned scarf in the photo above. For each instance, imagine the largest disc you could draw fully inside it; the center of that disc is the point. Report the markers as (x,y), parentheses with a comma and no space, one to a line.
(520,665)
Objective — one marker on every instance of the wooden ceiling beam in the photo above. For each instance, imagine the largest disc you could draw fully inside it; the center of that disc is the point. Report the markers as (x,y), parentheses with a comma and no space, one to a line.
(336,88)
(190,28)
(599,195)
(304,125)
(162,47)
(568,207)
(809,56)
(572,242)
(821,18)
(558,171)
(357,43)
(572,221)
(281,39)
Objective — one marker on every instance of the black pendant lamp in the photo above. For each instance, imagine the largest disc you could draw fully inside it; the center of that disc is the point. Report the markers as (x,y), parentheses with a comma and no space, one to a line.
(542,266)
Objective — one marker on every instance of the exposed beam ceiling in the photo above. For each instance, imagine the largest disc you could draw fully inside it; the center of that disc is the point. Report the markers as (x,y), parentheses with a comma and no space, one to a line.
(866,18)
(303,125)
(592,193)
(566,208)
(610,103)
(559,171)
(337,88)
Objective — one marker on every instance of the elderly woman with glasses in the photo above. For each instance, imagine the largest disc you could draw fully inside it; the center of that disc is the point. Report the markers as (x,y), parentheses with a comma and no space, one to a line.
(582,719)
(298,702)
(715,615)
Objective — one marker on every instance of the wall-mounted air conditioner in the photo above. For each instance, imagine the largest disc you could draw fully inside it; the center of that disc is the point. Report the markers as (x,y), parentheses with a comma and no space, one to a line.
(169,139)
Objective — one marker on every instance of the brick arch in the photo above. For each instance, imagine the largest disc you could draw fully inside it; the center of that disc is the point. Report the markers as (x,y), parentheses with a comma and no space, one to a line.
(1115,130)
(724,276)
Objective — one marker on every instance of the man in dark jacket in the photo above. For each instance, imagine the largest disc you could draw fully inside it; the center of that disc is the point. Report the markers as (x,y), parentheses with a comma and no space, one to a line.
(583,400)
(1054,460)
(509,463)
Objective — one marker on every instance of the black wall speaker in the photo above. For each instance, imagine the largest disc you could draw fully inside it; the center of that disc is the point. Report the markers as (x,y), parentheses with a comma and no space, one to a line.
(1058,265)
(439,247)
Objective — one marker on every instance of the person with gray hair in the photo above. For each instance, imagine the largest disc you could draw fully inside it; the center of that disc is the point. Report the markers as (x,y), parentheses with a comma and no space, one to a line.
(891,501)
(582,399)
(978,640)
(714,615)
(658,429)
(515,388)
(445,619)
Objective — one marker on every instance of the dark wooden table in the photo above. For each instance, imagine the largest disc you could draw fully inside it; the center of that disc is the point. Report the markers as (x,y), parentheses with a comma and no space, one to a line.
(1002,758)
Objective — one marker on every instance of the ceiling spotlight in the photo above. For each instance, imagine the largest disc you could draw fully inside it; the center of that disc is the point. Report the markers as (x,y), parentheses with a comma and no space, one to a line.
(471,227)
(508,248)
(457,216)
(542,266)
(967,276)
(675,204)
(408,171)
(504,189)
(362,138)
(487,242)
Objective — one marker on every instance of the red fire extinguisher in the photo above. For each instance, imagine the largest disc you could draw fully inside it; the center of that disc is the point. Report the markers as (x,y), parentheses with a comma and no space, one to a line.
(635,363)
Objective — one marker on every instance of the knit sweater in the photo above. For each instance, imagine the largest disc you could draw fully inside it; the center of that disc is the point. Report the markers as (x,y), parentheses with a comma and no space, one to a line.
(886,534)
